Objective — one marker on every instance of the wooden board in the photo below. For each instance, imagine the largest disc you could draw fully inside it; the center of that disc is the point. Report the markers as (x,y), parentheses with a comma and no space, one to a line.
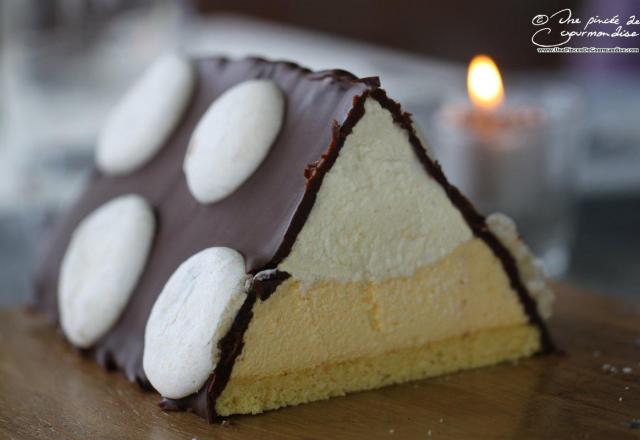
(48,391)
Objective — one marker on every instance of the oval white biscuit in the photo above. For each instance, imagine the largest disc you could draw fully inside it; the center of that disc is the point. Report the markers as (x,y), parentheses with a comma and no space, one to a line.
(232,138)
(142,121)
(102,264)
(195,310)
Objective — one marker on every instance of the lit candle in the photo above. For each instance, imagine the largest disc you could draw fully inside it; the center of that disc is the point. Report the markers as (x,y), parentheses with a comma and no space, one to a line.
(484,83)
(490,147)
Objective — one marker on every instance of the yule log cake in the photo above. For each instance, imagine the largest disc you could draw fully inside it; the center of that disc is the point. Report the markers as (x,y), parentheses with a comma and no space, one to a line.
(256,235)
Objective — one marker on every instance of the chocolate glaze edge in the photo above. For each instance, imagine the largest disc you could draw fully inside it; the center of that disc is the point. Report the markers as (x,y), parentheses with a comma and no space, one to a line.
(474,219)
(203,402)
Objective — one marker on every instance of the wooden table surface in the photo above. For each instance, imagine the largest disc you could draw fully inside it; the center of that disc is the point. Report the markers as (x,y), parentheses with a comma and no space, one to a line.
(591,391)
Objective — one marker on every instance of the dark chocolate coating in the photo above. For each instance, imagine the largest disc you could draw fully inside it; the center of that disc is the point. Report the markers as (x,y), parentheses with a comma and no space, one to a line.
(261,219)
(253,220)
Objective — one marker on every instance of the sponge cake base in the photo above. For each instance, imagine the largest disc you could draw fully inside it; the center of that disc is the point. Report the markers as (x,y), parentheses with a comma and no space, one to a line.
(257,394)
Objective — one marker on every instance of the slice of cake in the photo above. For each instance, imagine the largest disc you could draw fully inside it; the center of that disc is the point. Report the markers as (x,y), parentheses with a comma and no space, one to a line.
(256,235)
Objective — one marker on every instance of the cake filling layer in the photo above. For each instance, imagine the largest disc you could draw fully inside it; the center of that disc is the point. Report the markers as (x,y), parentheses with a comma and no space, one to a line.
(332,322)
(384,269)
(378,214)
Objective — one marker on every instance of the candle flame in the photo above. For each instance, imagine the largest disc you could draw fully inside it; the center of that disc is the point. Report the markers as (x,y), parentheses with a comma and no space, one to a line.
(484,83)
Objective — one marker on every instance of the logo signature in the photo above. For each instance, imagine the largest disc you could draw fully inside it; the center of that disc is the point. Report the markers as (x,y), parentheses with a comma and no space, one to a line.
(560,27)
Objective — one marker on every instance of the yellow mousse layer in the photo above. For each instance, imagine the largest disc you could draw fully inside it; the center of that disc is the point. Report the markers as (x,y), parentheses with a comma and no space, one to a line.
(308,343)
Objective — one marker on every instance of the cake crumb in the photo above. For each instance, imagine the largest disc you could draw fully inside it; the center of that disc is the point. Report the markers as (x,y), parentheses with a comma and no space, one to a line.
(226,424)
(627,370)
(627,388)
(620,399)
(391,431)
(441,420)
(429,433)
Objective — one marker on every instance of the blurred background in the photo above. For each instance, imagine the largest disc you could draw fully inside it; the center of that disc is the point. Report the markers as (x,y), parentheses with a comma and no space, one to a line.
(562,155)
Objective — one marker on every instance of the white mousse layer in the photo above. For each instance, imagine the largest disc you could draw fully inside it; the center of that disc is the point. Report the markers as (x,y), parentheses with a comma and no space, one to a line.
(194,311)
(233,138)
(140,124)
(378,213)
(102,264)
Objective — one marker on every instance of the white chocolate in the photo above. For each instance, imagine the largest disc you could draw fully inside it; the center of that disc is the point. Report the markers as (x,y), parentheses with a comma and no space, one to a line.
(101,267)
(142,121)
(195,310)
(233,138)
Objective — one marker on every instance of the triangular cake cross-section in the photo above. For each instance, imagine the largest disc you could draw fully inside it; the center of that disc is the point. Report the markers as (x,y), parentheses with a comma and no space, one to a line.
(325,252)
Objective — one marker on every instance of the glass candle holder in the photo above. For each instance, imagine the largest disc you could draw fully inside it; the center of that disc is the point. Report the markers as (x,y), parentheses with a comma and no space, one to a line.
(520,160)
